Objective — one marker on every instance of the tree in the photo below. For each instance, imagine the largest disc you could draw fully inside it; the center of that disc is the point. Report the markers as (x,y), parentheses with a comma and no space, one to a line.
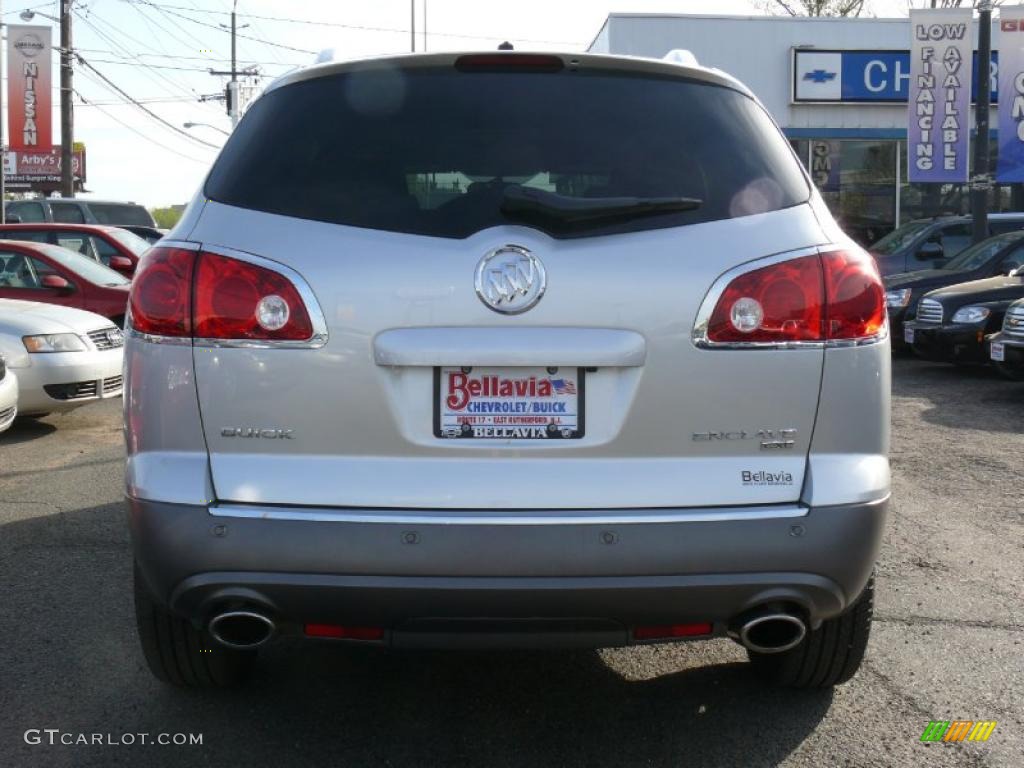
(816,7)
(166,217)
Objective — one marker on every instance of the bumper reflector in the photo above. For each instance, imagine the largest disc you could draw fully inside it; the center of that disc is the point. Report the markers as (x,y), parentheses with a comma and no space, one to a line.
(672,630)
(344,633)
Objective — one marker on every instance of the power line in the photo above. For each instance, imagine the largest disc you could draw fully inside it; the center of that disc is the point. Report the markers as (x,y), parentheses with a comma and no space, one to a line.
(164,9)
(361,27)
(134,55)
(152,70)
(145,109)
(150,139)
(130,63)
(106,37)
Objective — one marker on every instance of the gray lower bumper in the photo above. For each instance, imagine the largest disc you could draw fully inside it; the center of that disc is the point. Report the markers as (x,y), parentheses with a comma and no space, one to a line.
(428,580)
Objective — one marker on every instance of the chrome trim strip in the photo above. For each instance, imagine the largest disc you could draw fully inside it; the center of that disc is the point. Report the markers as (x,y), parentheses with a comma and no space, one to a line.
(504,517)
(185,245)
(131,333)
(707,307)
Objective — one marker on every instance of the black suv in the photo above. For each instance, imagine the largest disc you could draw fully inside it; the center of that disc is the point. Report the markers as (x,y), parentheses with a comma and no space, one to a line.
(999,255)
(929,243)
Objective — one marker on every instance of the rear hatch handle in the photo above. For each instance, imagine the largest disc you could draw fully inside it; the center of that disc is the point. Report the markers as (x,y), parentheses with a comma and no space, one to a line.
(450,346)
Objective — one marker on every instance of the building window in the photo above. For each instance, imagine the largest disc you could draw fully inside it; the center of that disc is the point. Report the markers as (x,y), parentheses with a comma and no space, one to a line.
(858,181)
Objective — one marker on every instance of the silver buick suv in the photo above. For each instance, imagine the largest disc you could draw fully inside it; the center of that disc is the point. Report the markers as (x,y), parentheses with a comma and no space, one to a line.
(506,350)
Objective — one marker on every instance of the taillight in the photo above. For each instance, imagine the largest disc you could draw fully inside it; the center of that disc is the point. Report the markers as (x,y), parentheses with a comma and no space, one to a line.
(161,301)
(855,295)
(831,296)
(179,292)
(238,300)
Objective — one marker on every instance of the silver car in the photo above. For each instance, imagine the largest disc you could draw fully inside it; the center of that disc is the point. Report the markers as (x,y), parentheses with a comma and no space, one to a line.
(8,396)
(506,350)
(64,357)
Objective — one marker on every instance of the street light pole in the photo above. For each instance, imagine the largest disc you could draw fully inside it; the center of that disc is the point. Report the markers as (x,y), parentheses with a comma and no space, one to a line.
(67,129)
(980,182)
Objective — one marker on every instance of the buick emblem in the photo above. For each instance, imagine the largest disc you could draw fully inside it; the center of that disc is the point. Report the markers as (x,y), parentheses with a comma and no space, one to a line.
(510,279)
(114,336)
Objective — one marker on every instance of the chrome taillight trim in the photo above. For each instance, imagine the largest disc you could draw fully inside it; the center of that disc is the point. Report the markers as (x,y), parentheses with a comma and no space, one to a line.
(707,308)
(312,305)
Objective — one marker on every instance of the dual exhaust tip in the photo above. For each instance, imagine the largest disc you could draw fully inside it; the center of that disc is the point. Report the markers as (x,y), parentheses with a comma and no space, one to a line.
(768,630)
(762,630)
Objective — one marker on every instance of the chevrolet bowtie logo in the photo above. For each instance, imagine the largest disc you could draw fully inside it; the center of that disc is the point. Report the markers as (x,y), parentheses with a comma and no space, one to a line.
(819,76)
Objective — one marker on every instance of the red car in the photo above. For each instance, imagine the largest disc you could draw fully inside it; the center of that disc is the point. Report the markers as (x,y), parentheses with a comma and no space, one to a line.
(112,247)
(55,275)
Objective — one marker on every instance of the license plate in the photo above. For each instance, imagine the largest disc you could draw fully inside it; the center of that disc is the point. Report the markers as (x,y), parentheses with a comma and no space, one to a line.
(908,335)
(509,403)
(997,352)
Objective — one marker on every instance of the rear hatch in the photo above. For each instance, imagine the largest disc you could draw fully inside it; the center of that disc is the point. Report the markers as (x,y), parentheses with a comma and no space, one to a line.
(384,187)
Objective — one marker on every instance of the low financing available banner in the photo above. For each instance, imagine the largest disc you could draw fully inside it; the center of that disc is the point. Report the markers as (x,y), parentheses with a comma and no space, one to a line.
(1010,167)
(29,99)
(938,135)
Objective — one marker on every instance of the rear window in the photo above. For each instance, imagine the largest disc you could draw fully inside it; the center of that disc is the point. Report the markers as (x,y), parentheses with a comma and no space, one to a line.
(29,212)
(121,213)
(432,151)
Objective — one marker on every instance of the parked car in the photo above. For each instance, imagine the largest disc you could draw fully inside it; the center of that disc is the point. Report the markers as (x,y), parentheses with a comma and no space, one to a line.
(929,243)
(78,210)
(999,255)
(537,413)
(64,357)
(952,322)
(149,234)
(110,246)
(8,396)
(1006,348)
(55,275)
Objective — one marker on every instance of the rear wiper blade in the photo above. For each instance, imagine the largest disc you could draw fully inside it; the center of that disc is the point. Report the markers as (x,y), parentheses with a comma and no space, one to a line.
(527,200)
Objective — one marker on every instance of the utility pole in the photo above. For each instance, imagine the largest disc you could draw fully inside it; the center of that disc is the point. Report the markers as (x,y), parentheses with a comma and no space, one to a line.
(980,182)
(67,122)
(233,88)
(231,94)
(412,24)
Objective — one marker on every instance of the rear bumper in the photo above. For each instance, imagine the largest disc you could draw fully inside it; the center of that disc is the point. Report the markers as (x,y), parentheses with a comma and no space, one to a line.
(588,582)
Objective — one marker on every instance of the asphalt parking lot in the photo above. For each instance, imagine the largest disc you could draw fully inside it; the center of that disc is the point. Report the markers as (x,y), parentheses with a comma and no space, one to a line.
(946,644)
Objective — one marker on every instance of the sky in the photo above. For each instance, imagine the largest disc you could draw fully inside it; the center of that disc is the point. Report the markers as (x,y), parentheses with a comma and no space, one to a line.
(159,53)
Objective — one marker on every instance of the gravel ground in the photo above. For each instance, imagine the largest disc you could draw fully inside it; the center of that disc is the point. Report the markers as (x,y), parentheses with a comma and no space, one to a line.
(946,643)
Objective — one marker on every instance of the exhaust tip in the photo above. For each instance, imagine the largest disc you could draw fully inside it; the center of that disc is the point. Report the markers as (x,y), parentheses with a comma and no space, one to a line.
(772,633)
(241,629)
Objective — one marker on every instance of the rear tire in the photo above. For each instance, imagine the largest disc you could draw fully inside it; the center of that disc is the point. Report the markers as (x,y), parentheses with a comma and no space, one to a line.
(178,653)
(827,656)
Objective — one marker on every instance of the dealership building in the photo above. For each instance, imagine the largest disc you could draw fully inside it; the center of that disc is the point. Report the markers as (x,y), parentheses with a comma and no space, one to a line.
(837,87)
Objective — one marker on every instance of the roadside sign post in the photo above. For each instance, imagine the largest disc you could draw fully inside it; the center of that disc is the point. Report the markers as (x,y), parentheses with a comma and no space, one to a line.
(980,180)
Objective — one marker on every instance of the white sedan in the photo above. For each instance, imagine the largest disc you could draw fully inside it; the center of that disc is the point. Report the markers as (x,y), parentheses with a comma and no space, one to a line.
(8,395)
(63,357)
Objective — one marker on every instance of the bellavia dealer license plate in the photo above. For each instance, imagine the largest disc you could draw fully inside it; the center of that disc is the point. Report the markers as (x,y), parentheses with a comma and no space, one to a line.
(509,403)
